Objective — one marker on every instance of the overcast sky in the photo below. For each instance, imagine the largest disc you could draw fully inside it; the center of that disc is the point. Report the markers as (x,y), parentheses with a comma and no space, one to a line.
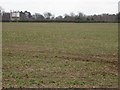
(60,7)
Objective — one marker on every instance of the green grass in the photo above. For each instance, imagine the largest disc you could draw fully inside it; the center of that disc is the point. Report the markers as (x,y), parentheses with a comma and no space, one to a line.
(60,55)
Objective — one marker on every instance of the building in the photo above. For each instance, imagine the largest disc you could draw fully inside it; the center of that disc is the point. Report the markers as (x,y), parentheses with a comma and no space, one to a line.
(14,15)
(6,16)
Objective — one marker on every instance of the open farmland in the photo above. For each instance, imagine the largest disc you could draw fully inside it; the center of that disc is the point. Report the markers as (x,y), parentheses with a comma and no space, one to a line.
(60,55)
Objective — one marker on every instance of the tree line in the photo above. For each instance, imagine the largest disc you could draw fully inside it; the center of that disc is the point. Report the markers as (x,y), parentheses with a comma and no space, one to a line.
(72,17)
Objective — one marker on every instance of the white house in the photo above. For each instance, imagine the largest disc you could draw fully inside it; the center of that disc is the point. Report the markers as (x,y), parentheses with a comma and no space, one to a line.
(15,15)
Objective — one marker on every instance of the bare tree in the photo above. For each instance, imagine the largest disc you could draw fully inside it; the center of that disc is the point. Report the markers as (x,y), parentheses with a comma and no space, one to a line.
(1,11)
(47,15)
(72,14)
(59,17)
(38,16)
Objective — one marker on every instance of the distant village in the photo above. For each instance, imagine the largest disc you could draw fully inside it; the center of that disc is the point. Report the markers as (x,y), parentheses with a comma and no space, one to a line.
(25,16)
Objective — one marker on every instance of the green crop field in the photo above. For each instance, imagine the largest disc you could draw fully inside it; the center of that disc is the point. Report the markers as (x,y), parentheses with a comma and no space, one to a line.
(47,55)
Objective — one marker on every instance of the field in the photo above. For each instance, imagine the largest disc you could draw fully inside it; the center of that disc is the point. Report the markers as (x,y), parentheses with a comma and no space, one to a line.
(47,55)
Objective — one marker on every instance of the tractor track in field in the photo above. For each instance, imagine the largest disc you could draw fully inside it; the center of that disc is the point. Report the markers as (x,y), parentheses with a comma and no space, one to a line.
(58,54)
(88,59)
(111,59)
